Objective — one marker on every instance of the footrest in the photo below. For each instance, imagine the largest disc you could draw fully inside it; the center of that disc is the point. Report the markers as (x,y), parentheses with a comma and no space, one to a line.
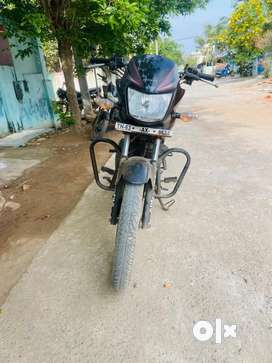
(107,178)
(173,179)
(170,203)
(108,170)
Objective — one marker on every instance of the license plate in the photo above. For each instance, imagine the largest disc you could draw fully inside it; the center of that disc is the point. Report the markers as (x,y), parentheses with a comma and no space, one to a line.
(143,130)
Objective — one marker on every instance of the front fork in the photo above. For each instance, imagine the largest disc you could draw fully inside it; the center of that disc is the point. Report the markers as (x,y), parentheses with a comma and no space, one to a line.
(155,152)
(150,187)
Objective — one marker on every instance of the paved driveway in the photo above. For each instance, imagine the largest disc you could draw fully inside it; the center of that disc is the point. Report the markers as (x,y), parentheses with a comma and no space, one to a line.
(212,249)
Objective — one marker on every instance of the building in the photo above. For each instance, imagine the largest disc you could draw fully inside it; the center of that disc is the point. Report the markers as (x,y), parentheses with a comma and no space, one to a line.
(26,91)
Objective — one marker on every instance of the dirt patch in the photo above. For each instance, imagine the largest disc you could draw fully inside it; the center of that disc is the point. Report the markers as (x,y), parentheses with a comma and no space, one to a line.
(46,195)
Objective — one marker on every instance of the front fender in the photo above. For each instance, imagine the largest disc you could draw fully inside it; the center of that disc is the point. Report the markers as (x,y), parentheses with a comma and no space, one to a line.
(137,170)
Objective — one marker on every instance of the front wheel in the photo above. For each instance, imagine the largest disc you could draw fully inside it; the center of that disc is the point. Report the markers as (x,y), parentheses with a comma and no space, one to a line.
(129,219)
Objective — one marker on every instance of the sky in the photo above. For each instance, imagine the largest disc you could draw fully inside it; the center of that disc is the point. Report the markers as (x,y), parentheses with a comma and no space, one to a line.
(186,28)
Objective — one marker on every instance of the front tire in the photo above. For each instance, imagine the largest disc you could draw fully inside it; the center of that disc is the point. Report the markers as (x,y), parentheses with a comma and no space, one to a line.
(129,219)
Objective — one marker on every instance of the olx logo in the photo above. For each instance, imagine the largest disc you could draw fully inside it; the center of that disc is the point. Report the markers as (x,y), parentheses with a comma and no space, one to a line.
(204,331)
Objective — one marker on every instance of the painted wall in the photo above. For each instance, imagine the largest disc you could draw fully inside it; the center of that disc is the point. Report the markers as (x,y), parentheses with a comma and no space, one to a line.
(59,82)
(3,120)
(25,94)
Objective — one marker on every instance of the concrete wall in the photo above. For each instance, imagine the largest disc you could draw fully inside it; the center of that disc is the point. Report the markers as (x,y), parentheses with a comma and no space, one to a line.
(59,82)
(3,119)
(31,106)
(27,65)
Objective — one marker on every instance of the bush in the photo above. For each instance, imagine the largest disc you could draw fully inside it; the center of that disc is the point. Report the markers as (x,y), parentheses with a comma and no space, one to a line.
(64,116)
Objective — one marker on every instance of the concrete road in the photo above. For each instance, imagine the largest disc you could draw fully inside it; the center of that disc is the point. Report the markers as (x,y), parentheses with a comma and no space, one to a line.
(212,249)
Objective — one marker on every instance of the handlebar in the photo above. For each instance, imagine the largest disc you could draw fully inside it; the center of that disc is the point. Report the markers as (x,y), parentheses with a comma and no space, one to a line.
(113,63)
(96,60)
(192,74)
(207,77)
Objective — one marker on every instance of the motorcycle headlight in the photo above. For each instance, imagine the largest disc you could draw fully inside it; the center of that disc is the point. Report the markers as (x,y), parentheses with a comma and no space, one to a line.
(146,107)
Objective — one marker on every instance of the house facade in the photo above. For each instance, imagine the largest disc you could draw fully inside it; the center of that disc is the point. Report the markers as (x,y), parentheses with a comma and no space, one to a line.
(26,91)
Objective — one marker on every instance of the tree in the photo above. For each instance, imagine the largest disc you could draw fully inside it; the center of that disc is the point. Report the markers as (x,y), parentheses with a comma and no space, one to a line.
(51,56)
(72,24)
(211,33)
(122,26)
(245,26)
(48,20)
(190,59)
(208,44)
(169,48)
(264,42)
(123,34)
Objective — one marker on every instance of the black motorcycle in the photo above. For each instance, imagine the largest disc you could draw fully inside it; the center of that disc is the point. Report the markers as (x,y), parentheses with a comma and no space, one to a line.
(148,93)
(107,111)
(63,98)
(106,105)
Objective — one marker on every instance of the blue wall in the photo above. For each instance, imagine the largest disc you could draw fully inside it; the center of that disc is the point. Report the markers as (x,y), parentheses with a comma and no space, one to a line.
(31,107)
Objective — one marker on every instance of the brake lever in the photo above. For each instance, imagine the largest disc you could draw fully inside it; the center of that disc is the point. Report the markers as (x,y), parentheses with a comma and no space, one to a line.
(208,82)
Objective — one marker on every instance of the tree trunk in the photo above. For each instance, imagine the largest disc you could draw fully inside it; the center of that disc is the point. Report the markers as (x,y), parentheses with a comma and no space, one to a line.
(66,58)
(83,84)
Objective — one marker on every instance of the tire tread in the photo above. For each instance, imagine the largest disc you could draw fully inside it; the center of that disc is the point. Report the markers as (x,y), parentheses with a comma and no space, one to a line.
(128,224)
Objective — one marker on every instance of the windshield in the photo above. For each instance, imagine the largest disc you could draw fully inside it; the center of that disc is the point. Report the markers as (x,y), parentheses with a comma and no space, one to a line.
(153,73)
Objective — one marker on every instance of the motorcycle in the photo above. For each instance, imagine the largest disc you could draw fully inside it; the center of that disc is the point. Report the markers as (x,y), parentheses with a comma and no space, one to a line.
(106,107)
(148,93)
(107,116)
(225,72)
(62,95)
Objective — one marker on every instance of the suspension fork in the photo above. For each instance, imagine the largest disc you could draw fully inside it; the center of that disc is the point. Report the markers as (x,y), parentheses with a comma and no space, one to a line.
(136,170)
(125,146)
(150,187)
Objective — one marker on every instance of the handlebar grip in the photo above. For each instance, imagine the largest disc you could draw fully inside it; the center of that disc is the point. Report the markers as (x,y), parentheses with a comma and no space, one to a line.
(207,77)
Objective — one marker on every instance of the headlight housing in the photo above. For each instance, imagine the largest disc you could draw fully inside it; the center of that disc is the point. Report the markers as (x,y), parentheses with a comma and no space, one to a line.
(148,107)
